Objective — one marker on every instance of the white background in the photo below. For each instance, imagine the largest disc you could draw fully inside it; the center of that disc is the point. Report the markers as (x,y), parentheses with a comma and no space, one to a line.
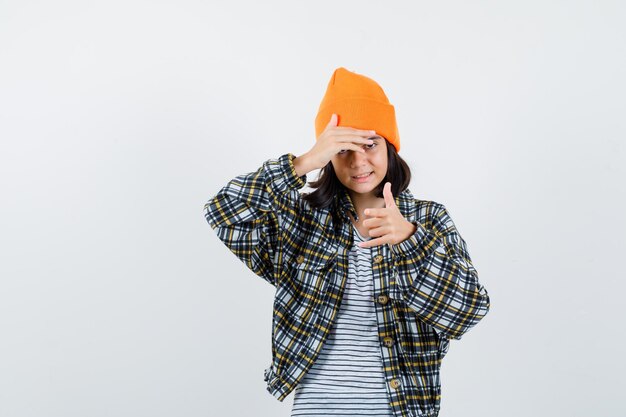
(120,119)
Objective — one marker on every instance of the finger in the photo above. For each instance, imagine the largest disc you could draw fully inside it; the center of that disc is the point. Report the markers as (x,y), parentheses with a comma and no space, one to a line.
(389,202)
(372,242)
(348,135)
(378,231)
(350,146)
(353,131)
(372,222)
(373,212)
(359,140)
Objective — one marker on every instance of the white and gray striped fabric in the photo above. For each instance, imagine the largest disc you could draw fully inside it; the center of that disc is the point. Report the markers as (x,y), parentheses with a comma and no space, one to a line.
(347,378)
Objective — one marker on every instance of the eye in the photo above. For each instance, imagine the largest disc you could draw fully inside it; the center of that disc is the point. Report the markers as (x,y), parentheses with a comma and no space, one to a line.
(371,145)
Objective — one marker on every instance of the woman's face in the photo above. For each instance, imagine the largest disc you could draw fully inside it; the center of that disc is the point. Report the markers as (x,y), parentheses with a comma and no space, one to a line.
(348,164)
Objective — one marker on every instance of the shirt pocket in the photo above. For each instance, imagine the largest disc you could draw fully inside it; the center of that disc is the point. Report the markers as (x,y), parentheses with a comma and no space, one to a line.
(421,350)
(418,338)
(303,289)
(309,269)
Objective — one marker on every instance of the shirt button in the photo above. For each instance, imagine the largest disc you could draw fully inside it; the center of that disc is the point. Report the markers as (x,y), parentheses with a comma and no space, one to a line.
(388,341)
(382,299)
(300,259)
(395,383)
(378,258)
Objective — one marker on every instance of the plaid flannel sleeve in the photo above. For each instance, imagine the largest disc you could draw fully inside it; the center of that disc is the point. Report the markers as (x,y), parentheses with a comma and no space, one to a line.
(442,284)
(248,213)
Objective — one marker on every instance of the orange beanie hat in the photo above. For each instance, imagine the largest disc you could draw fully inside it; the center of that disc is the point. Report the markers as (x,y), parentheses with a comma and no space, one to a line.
(359,102)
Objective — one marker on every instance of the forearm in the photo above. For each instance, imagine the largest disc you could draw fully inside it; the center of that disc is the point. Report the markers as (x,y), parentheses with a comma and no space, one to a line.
(441,283)
(271,188)
(303,165)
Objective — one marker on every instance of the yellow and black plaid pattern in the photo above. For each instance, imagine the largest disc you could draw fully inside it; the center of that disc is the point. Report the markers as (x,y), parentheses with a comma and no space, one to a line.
(426,289)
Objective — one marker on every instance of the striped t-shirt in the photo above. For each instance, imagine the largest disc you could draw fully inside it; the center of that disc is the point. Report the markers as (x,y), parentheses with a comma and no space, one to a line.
(347,377)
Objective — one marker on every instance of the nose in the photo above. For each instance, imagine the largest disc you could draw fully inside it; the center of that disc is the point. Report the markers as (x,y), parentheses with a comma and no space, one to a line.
(358,158)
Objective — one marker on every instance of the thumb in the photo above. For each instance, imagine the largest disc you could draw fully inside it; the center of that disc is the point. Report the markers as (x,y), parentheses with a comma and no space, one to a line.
(333,120)
(389,201)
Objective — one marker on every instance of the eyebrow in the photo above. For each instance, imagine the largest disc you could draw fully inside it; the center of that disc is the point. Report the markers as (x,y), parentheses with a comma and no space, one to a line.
(377,137)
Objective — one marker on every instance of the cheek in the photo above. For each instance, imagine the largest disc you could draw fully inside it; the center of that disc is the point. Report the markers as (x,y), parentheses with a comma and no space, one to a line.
(381,162)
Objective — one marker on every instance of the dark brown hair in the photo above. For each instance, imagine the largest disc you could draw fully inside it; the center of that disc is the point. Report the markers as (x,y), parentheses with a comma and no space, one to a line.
(328,185)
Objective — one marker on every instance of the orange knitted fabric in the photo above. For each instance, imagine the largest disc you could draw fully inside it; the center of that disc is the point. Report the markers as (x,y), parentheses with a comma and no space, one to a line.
(359,102)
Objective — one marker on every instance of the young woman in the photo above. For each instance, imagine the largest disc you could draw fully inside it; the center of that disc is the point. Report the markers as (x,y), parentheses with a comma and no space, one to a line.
(371,282)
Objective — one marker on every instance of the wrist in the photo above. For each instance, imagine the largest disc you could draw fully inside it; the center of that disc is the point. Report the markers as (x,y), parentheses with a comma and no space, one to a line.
(411,229)
(303,165)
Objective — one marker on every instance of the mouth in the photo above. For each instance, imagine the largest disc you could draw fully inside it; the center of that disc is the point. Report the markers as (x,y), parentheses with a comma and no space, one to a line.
(362,177)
